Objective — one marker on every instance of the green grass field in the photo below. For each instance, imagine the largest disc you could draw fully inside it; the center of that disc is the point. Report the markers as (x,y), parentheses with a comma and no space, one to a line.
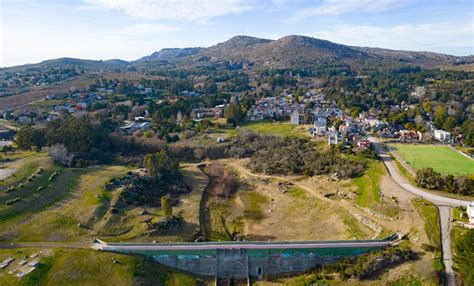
(440,158)
(284,129)
(89,267)
(368,189)
(281,129)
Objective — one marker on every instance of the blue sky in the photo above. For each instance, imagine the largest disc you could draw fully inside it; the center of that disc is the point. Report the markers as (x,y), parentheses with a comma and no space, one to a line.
(36,30)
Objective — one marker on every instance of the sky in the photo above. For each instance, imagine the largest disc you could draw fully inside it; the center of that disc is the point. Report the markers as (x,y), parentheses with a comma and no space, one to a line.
(35,30)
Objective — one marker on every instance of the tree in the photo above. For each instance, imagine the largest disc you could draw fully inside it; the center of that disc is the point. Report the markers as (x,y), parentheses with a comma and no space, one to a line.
(24,137)
(76,134)
(166,207)
(440,116)
(449,123)
(429,178)
(464,256)
(419,121)
(464,185)
(29,136)
(299,94)
(234,114)
(61,155)
(468,130)
(38,138)
(161,166)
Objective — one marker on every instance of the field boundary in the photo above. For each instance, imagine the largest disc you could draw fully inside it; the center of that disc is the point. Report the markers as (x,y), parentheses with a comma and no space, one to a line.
(460,152)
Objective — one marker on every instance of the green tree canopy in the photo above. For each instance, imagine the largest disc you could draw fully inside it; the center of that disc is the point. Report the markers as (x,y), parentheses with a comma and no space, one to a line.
(234,114)
(161,166)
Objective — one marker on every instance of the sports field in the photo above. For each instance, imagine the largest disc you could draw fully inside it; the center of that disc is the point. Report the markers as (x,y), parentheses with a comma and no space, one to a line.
(440,158)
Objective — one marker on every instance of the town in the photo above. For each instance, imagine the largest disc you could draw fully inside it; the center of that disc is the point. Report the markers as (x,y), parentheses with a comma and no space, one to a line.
(160,143)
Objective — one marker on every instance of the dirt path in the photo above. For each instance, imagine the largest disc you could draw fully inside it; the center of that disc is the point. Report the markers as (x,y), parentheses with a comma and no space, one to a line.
(296,180)
(7,172)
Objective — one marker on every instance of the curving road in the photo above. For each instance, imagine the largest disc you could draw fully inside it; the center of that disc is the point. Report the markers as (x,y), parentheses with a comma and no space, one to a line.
(444,205)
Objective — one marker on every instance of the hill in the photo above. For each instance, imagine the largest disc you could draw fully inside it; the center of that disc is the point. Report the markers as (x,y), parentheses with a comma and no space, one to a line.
(297,50)
(289,51)
(170,54)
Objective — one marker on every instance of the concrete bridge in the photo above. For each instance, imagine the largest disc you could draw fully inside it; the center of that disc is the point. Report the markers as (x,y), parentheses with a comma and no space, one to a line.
(242,260)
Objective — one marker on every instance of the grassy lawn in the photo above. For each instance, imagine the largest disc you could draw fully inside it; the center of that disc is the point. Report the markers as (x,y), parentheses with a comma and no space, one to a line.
(33,200)
(284,129)
(405,172)
(281,129)
(368,189)
(85,206)
(368,185)
(430,215)
(253,202)
(463,250)
(298,193)
(89,267)
(459,214)
(440,158)
(25,163)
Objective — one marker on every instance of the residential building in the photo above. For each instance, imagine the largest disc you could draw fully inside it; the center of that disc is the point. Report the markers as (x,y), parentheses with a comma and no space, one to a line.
(470,212)
(334,139)
(320,126)
(24,120)
(295,117)
(410,136)
(442,136)
(132,126)
(363,144)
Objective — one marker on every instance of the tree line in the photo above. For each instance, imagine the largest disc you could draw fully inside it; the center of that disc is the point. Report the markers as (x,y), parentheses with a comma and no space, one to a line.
(430,179)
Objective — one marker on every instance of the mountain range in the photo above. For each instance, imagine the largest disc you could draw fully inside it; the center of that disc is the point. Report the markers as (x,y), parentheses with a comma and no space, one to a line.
(245,51)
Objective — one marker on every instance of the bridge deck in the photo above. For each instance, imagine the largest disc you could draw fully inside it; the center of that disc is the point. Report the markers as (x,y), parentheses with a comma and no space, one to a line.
(244,245)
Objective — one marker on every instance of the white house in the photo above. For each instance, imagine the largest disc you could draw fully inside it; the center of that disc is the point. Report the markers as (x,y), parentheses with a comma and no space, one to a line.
(295,117)
(136,126)
(442,135)
(334,139)
(470,212)
(320,126)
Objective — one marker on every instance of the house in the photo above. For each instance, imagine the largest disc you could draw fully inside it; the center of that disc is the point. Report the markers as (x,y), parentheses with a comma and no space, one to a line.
(296,117)
(334,139)
(320,126)
(24,120)
(363,144)
(410,136)
(136,126)
(470,212)
(442,135)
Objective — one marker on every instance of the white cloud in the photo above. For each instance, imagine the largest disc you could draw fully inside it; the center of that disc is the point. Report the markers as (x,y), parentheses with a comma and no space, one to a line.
(149,29)
(339,7)
(440,37)
(181,10)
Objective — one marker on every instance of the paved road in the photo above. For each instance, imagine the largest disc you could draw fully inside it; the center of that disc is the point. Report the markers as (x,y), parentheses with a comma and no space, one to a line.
(445,231)
(404,184)
(214,246)
(444,205)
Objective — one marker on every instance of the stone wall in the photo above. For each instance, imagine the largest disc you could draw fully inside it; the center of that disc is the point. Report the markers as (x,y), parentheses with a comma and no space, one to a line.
(237,263)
